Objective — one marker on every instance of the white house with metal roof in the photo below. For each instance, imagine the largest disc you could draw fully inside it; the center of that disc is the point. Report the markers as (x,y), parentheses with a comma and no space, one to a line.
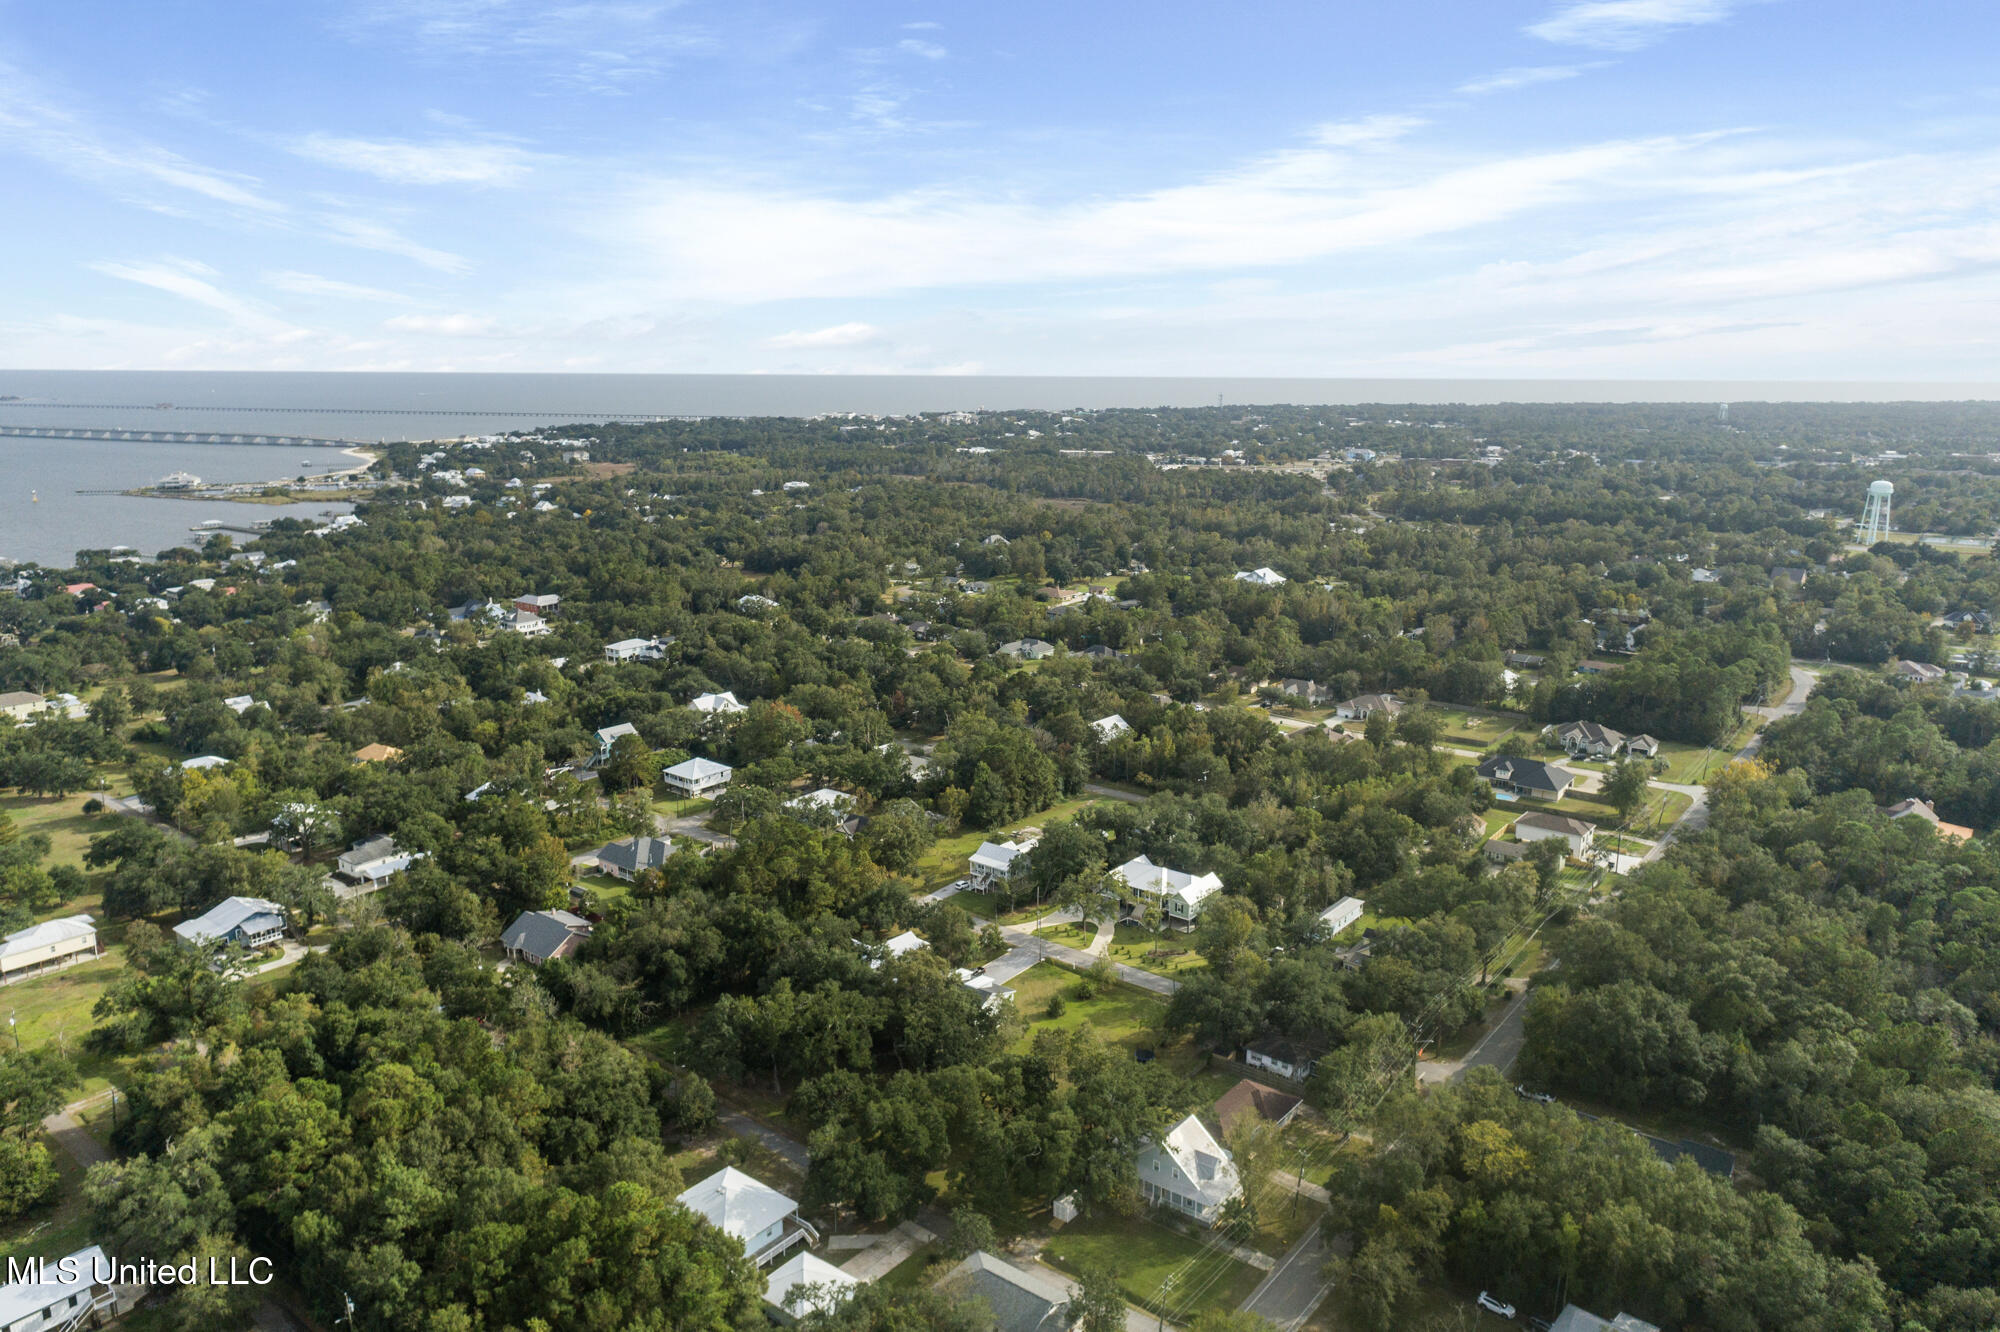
(994,861)
(746,1209)
(607,736)
(1188,1171)
(61,1293)
(251,921)
(718,705)
(1262,576)
(697,776)
(1178,893)
(805,1283)
(51,944)
(1110,728)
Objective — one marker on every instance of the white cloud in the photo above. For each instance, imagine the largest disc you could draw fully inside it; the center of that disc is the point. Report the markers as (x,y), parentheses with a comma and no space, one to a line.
(367,235)
(448,326)
(188,279)
(1626,25)
(1368,132)
(739,243)
(601,46)
(838,335)
(1521,76)
(922,25)
(441,162)
(926,50)
(312,284)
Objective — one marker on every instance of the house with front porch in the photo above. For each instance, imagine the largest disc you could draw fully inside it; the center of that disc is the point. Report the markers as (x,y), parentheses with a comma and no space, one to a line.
(763,1220)
(1189,1172)
(1178,894)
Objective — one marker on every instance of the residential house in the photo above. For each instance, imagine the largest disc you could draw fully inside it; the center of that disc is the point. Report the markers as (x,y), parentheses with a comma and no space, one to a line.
(1363,706)
(1188,1171)
(763,1220)
(1642,746)
(608,736)
(995,539)
(1018,1301)
(994,861)
(526,623)
(62,1294)
(1110,728)
(1573,1319)
(1280,1055)
(1539,827)
(536,937)
(1789,577)
(752,604)
(250,921)
(1979,621)
(909,941)
(1263,576)
(377,753)
(44,947)
(241,704)
(1099,652)
(203,762)
(697,777)
(624,859)
(1920,672)
(19,704)
(541,604)
(1254,1098)
(718,705)
(637,649)
(1926,811)
(369,863)
(993,995)
(1340,915)
(1307,691)
(1526,661)
(1027,649)
(805,1283)
(1525,776)
(1586,739)
(1704,576)
(1178,893)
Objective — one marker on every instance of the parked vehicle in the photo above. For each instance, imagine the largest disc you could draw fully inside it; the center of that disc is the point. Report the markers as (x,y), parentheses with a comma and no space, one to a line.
(1494,1305)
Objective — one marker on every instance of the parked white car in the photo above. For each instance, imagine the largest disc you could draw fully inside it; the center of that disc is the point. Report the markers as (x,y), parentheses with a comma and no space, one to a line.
(1495,1306)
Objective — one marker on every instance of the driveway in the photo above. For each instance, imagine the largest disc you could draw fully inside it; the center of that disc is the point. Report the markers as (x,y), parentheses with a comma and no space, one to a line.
(788,1147)
(1028,949)
(1496,1050)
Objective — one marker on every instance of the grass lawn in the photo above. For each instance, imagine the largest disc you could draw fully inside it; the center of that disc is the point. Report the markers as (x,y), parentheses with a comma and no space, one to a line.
(1074,935)
(55,1010)
(61,1228)
(605,888)
(1435,1309)
(1499,818)
(1472,730)
(1164,953)
(914,1271)
(67,826)
(1120,1014)
(946,859)
(1662,810)
(680,806)
(1141,1254)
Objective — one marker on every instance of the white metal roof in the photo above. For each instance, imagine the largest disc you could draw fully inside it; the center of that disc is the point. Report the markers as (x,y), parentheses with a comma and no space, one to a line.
(27,1299)
(1143,876)
(40,936)
(695,769)
(736,1204)
(226,915)
(807,1269)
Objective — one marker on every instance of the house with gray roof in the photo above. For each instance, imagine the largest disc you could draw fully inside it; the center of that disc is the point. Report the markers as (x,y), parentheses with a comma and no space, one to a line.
(1573,1319)
(536,937)
(51,944)
(697,776)
(624,859)
(1525,776)
(1019,1301)
(250,921)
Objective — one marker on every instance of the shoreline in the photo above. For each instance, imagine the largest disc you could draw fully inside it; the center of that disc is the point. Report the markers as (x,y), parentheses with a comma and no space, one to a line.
(252,492)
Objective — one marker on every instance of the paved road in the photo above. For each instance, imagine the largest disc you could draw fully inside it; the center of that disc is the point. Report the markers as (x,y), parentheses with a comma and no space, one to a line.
(790,1148)
(1113,793)
(1496,1050)
(1028,950)
(1294,1288)
(68,1130)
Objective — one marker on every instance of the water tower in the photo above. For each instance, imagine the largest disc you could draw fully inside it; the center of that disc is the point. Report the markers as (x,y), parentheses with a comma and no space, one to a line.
(1875,518)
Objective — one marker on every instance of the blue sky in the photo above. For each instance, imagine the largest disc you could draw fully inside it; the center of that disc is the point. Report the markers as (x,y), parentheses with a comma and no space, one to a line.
(1515,188)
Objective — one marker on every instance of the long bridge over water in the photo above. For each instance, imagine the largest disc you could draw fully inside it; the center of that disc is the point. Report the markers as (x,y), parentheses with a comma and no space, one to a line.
(172,436)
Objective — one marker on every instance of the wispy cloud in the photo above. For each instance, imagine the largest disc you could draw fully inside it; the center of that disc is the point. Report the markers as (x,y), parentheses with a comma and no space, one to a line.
(366,234)
(738,243)
(589,45)
(1367,132)
(922,49)
(838,335)
(1521,76)
(447,325)
(1626,25)
(38,126)
(190,280)
(313,284)
(439,162)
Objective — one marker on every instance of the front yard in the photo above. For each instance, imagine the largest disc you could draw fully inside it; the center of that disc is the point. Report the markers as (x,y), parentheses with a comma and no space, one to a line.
(1143,1254)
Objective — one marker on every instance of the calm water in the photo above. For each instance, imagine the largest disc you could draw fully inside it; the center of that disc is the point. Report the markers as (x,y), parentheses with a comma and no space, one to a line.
(375,407)
(44,519)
